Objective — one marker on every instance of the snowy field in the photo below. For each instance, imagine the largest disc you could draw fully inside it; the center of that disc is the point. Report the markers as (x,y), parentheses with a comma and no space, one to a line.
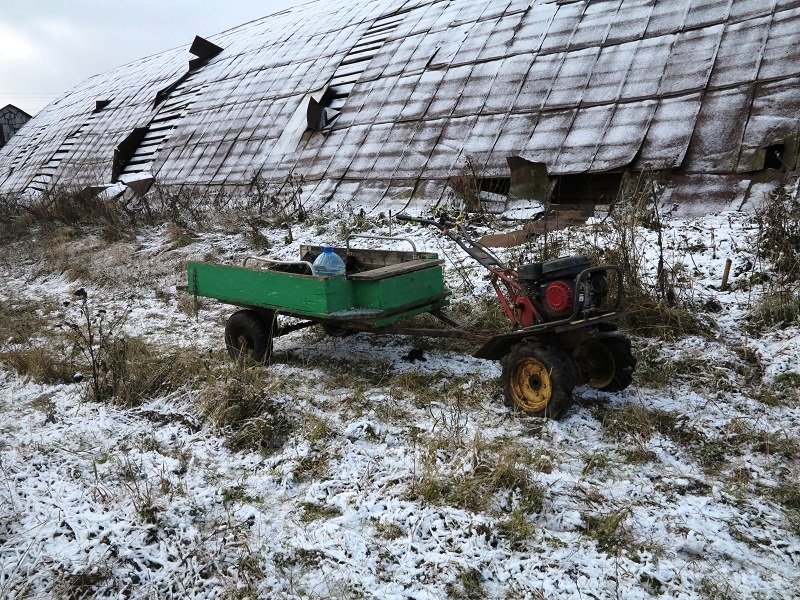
(383,476)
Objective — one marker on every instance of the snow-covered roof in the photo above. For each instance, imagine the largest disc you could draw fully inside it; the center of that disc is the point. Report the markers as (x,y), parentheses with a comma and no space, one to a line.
(413,87)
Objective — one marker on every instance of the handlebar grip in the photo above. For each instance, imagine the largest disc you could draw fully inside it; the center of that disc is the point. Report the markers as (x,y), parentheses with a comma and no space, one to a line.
(409,218)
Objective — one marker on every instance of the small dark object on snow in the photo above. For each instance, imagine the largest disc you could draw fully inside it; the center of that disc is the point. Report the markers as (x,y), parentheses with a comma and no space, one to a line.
(415,354)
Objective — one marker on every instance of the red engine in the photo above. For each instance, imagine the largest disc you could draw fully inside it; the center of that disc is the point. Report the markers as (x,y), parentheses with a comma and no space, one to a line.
(554,287)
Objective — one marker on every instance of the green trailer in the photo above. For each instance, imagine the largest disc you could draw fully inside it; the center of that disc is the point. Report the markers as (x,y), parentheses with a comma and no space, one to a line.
(381,288)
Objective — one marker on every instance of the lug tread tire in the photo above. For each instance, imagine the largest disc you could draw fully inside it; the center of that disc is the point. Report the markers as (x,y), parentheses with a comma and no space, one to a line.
(563,377)
(247,329)
(624,363)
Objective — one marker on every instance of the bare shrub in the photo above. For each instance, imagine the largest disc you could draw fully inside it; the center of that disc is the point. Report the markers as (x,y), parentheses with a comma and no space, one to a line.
(657,304)
(778,243)
(125,370)
(71,206)
(282,202)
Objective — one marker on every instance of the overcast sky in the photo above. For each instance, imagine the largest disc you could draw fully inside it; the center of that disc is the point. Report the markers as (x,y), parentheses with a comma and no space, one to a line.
(49,46)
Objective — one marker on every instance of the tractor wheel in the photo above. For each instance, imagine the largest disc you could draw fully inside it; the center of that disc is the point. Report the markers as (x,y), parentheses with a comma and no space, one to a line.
(248,335)
(606,364)
(538,380)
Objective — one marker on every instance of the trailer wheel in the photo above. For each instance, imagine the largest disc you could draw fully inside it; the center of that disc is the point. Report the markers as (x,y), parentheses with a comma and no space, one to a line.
(336,330)
(538,380)
(248,334)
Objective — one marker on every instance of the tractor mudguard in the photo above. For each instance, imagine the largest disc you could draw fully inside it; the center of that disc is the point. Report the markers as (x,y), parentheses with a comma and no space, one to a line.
(497,346)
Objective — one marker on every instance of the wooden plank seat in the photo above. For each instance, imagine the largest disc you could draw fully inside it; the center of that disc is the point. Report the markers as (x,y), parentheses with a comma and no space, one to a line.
(396,269)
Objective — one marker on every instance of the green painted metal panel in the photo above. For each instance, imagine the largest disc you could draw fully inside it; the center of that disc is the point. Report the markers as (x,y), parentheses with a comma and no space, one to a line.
(382,301)
(400,290)
(303,294)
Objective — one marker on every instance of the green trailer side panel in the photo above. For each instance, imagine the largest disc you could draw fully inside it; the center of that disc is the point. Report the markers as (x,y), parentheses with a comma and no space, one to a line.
(380,301)
(400,290)
(313,296)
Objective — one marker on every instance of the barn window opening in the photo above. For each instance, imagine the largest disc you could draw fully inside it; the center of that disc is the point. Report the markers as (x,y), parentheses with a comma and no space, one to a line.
(586,188)
(495,185)
(773,156)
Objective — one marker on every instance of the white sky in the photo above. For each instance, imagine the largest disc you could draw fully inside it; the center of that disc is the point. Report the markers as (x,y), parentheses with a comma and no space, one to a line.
(49,46)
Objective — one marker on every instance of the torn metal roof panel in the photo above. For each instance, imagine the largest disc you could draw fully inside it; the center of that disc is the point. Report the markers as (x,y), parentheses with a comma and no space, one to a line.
(646,72)
(534,26)
(718,133)
(561,27)
(582,141)
(764,128)
(670,132)
(446,156)
(667,17)
(691,58)
(630,21)
(507,84)
(782,52)
(740,52)
(567,88)
(501,37)
(748,9)
(610,73)
(478,86)
(593,28)
(707,12)
(624,135)
(421,96)
(537,82)
(546,139)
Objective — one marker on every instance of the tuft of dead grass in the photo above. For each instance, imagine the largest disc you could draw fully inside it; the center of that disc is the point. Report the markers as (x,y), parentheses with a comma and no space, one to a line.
(488,471)
(40,364)
(243,404)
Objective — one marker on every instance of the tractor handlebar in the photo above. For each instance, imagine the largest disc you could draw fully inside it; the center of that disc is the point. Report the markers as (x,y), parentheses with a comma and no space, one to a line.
(444,222)
(459,234)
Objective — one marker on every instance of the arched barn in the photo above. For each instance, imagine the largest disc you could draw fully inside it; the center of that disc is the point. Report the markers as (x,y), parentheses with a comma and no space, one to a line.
(387,102)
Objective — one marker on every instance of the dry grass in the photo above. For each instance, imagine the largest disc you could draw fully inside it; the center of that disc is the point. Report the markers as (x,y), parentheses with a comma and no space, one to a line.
(489,471)
(244,405)
(40,364)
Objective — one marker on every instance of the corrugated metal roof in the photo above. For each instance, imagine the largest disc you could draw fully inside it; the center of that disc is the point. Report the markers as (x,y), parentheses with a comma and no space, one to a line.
(697,85)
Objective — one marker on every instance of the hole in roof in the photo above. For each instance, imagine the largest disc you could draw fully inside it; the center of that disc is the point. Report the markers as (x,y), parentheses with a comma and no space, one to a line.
(319,113)
(773,156)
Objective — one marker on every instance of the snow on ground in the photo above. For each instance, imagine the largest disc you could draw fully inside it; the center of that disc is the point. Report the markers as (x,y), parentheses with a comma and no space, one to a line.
(369,495)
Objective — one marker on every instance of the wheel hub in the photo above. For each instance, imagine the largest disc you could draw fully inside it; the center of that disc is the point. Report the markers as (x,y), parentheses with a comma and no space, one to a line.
(531,386)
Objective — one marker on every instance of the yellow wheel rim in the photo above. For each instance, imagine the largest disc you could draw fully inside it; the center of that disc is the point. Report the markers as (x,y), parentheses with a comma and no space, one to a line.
(598,363)
(531,386)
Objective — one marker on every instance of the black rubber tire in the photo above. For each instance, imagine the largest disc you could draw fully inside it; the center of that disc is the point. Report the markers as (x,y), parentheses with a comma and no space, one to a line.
(248,334)
(624,363)
(334,330)
(524,390)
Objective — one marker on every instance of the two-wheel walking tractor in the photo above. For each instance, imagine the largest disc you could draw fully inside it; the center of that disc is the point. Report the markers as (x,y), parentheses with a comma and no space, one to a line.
(562,311)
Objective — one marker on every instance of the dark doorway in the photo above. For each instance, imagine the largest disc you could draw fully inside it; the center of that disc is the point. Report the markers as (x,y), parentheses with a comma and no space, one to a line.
(586,188)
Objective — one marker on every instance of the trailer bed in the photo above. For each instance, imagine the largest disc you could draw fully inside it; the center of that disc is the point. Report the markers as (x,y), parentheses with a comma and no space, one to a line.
(380,288)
